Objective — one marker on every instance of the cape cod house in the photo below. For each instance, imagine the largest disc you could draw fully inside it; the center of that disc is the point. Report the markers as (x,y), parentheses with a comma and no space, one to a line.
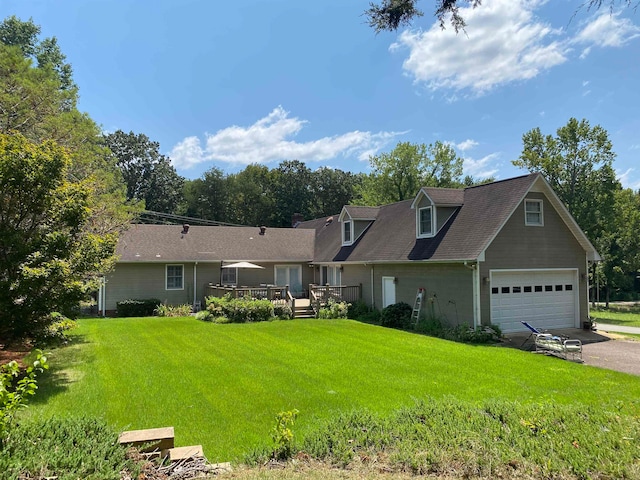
(496,253)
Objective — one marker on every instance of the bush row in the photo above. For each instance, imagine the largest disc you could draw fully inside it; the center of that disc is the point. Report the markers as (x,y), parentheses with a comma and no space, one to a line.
(137,308)
(242,310)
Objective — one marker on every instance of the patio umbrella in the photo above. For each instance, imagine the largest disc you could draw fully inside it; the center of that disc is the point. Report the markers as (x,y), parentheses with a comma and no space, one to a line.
(242,265)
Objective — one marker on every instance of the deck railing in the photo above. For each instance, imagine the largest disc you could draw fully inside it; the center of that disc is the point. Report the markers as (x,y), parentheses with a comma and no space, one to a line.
(319,295)
(279,295)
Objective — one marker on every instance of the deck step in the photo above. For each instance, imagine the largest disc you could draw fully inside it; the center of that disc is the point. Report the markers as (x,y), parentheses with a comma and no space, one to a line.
(156,438)
(304,312)
(183,453)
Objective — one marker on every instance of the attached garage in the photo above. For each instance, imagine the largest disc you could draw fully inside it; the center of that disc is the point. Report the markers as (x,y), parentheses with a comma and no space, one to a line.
(547,299)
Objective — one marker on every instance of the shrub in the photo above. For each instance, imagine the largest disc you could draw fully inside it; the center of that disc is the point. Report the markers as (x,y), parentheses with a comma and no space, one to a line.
(239,310)
(397,315)
(358,309)
(54,332)
(13,396)
(334,310)
(282,311)
(163,310)
(205,316)
(66,449)
(137,308)
(282,434)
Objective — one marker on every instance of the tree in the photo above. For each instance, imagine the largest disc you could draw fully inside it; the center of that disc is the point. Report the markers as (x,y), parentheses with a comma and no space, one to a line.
(47,256)
(251,195)
(399,174)
(331,189)
(208,197)
(40,103)
(47,54)
(292,192)
(392,14)
(148,174)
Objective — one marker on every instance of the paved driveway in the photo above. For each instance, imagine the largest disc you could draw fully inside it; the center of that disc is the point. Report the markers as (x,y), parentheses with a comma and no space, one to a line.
(599,349)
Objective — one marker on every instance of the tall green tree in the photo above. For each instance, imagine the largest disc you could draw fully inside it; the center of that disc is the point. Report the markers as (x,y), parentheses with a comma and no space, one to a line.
(47,256)
(331,189)
(399,174)
(148,174)
(209,197)
(39,102)
(292,192)
(251,196)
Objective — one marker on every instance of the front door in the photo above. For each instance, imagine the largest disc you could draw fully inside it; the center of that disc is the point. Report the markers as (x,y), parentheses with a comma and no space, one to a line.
(388,291)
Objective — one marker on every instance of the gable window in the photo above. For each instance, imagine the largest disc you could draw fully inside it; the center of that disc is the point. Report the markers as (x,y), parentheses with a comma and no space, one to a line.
(533,213)
(174,275)
(229,276)
(347,232)
(425,222)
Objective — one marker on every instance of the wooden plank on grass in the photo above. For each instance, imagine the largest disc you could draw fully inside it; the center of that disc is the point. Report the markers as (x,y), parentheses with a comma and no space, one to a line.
(157,438)
(183,453)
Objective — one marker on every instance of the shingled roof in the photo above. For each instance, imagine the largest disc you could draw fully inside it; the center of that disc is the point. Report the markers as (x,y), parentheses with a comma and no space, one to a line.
(167,243)
(392,237)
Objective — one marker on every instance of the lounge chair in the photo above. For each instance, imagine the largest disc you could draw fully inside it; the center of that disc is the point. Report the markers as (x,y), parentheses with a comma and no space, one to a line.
(569,349)
(534,331)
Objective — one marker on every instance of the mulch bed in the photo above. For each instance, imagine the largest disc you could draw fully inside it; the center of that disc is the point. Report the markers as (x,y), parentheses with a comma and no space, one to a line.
(14,352)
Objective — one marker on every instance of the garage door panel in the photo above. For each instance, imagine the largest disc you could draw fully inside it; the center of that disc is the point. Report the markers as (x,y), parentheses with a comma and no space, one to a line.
(546,299)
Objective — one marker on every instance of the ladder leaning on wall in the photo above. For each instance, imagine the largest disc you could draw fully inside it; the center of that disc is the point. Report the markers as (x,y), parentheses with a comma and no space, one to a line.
(417,305)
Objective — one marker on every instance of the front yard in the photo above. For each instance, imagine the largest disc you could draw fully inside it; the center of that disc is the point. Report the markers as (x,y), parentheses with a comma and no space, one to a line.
(221,385)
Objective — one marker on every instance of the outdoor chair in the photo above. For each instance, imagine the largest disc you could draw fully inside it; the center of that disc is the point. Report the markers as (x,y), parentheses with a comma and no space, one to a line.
(534,331)
(563,347)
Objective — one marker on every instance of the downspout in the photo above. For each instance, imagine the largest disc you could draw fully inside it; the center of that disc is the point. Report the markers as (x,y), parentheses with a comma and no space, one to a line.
(195,283)
(103,288)
(475,276)
(373,297)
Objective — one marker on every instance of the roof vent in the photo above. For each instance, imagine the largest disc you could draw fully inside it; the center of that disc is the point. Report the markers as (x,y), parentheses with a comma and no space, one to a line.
(328,221)
(185,229)
(263,229)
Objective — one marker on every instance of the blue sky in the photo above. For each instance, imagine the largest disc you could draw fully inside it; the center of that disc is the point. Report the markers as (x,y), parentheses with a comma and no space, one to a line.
(226,84)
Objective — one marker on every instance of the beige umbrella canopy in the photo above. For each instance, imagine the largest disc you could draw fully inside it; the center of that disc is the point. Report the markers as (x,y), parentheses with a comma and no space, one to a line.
(242,265)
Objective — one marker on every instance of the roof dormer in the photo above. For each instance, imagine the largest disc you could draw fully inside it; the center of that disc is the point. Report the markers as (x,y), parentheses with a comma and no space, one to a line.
(434,207)
(355,220)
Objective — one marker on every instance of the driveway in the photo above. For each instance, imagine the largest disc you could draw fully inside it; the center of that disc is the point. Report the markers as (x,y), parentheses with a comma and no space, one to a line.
(599,349)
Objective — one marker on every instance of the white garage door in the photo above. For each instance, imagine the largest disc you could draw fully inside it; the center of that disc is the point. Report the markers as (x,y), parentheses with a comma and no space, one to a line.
(546,299)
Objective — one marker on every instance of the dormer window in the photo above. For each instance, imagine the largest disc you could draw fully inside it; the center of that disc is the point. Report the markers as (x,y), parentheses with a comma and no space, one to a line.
(533,213)
(347,232)
(425,222)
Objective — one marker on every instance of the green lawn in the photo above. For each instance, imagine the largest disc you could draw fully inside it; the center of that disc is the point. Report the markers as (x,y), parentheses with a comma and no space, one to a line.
(221,385)
(617,317)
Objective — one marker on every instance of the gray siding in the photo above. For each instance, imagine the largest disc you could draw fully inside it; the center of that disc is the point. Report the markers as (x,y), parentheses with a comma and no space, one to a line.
(358,227)
(443,214)
(147,280)
(451,284)
(530,247)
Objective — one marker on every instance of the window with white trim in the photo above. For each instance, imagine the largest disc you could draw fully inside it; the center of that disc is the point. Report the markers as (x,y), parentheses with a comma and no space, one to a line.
(229,276)
(174,275)
(347,232)
(331,275)
(533,213)
(425,222)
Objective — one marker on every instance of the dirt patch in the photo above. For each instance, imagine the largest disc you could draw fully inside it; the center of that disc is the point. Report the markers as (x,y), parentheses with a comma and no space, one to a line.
(14,352)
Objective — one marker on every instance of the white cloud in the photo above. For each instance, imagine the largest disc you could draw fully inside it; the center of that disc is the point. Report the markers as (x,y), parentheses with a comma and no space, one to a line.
(504,42)
(606,30)
(627,181)
(468,144)
(484,167)
(269,140)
